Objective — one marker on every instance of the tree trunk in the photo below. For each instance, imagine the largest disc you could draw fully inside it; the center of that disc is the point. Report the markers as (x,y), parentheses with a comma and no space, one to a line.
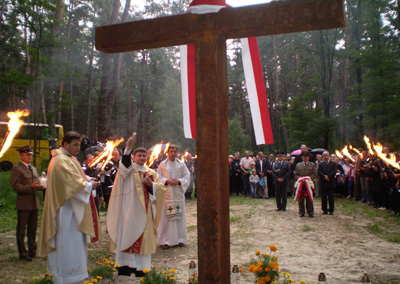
(103,108)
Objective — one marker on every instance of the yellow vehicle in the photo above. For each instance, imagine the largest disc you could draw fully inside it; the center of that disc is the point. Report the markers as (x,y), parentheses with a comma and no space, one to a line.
(26,136)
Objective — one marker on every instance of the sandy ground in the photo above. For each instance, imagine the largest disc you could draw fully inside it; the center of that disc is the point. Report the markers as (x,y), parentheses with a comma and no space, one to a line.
(341,245)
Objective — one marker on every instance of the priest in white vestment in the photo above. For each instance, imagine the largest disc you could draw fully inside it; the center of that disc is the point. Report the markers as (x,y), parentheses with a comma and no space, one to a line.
(176,177)
(69,219)
(133,212)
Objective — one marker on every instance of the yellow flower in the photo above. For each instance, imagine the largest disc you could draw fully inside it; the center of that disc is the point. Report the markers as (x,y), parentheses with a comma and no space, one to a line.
(302,282)
(114,269)
(258,252)
(173,271)
(172,278)
(116,264)
(164,272)
(35,278)
(272,247)
(99,263)
(99,277)
(46,274)
(290,280)
(94,280)
(88,269)
(286,274)
(51,275)
(142,280)
(105,259)
(152,266)
(145,271)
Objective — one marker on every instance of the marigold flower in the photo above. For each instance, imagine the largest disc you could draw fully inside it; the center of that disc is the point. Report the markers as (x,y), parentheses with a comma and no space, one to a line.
(94,280)
(241,270)
(164,272)
(274,258)
(51,275)
(245,275)
(172,278)
(251,268)
(105,259)
(302,282)
(267,269)
(141,280)
(99,263)
(88,269)
(99,277)
(35,278)
(116,264)
(290,280)
(273,248)
(259,263)
(258,252)
(46,274)
(145,271)
(114,269)
(265,255)
(267,278)
(286,274)
(173,271)
(261,280)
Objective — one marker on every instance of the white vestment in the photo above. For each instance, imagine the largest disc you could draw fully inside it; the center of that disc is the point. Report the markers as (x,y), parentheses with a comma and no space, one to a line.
(172,228)
(69,261)
(130,202)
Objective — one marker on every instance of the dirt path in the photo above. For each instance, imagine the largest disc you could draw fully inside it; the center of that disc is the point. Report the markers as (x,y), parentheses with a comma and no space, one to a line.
(341,245)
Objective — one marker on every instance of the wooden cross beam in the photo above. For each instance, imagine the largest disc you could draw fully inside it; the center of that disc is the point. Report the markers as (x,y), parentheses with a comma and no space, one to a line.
(209,33)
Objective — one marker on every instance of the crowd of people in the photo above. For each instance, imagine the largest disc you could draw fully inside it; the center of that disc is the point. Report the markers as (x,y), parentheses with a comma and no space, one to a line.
(145,201)
(362,177)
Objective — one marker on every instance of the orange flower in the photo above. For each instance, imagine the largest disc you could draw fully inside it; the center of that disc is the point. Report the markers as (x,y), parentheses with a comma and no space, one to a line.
(274,258)
(241,270)
(267,278)
(259,263)
(261,280)
(272,247)
(251,268)
(267,269)
(258,252)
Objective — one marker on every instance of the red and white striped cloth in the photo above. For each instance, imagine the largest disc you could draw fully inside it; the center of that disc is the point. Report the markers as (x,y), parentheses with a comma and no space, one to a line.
(308,183)
(253,75)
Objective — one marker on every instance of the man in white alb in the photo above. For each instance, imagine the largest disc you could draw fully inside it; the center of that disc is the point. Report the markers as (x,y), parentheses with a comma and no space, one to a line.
(176,177)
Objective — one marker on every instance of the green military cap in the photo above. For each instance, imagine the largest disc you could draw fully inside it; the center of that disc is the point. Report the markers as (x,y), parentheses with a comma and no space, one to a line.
(25,149)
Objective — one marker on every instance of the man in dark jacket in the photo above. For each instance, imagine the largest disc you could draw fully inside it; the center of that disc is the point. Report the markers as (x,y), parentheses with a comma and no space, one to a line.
(327,171)
(280,173)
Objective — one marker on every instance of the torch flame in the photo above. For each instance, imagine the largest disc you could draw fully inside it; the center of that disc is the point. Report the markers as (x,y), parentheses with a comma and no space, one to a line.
(356,150)
(13,127)
(366,139)
(345,152)
(339,154)
(154,155)
(184,156)
(389,161)
(106,153)
(166,147)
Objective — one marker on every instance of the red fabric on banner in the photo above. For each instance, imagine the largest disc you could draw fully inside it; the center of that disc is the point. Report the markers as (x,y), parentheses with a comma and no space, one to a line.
(192,87)
(262,97)
(208,2)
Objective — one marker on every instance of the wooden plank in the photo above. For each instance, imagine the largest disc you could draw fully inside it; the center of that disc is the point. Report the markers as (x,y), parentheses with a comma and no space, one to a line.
(257,20)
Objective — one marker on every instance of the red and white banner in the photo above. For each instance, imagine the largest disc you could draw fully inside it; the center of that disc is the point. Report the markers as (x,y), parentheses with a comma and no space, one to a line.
(253,76)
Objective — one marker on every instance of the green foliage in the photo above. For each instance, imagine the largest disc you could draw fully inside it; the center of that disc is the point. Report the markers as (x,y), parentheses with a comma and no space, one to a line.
(238,140)
(159,277)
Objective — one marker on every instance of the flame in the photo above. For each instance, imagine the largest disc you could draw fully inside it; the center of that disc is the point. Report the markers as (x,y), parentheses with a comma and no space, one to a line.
(184,156)
(339,154)
(356,150)
(366,139)
(389,161)
(106,153)
(345,152)
(166,148)
(195,156)
(154,155)
(13,127)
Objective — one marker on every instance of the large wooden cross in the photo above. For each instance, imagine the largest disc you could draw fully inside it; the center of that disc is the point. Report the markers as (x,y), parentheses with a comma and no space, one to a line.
(209,33)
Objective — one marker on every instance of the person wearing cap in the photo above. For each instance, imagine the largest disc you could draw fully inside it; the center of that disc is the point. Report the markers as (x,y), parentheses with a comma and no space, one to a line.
(307,171)
(280,173)
(24,182)
(69,219)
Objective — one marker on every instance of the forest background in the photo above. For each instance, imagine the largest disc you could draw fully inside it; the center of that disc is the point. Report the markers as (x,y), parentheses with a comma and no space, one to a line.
(324,88)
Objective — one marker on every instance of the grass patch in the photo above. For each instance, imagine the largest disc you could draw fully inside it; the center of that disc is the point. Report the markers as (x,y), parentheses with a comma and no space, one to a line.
(307,228)
(192,228)
(234,219)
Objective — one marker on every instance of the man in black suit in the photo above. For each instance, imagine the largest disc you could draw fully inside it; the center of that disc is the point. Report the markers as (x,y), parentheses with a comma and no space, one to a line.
(327,171)
(262,166)
(280,174)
